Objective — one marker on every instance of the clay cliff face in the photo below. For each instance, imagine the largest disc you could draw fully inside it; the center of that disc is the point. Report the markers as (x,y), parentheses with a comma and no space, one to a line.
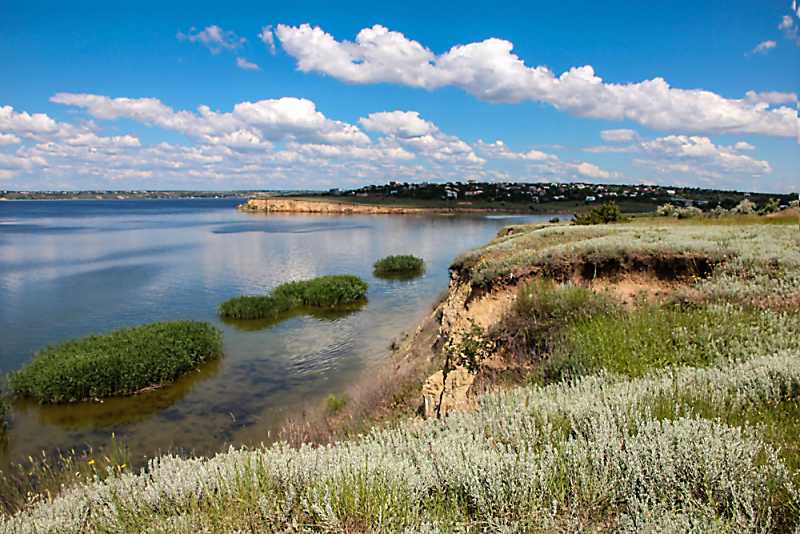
(289,205)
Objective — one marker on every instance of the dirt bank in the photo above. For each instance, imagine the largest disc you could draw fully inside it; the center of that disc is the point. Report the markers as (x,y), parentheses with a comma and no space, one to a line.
(348,207)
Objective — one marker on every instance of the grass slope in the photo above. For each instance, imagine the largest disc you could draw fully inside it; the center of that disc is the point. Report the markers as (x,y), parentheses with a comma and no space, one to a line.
(600,452)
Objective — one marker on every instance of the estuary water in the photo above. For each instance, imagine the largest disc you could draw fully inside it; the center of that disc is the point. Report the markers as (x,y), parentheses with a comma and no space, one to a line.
(74,268)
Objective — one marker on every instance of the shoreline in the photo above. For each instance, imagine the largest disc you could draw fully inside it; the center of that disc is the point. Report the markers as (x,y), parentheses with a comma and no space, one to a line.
(307,205)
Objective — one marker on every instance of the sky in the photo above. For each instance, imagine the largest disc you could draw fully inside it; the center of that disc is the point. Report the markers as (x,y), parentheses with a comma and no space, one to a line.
(316,95)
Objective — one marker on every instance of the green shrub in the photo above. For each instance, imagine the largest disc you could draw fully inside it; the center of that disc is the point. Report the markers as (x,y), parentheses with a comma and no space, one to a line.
(3,412)
(399,266)
(770,206)
(745,207)
(543,308)
(636,341)
(468,349)
(322,292)
(120,363)
(607,212)
(334,403)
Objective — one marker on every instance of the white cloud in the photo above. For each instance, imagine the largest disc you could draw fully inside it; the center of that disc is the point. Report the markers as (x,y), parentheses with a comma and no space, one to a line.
(701,155)
(24,122)
(618,136)
(490,71)
(94,140)
(592,171)
(214,38)
(771,97)
(499,150)
(9,139)
(543,165)
(287,142)
(15,162)
(764,47)
(610,149)
(270,120)
(696,155)
(790,29)
(400,123)
(243,64)
(268,38)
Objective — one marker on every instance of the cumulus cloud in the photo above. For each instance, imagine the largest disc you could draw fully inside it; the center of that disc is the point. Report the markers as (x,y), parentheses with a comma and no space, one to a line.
(491,71)
(9,139)
(789,28)
(499,150)
(701,155)
(266,36)
(214,38)
(764,47)
(243,64)
(24,122)
(618,136)
(264,120)
(400,123)
(543,165)
(287,142)
(592,171)
(692,155)
(283,142)
(771,97)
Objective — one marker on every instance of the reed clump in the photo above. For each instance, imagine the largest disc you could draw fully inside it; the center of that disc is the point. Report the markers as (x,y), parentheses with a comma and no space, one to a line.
(322,292)
(120,363)
(402,266)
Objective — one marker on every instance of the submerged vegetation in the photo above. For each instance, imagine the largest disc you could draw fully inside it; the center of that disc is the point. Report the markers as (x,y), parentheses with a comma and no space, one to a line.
(661,393)
(322,292)
(405,266)
(120,363)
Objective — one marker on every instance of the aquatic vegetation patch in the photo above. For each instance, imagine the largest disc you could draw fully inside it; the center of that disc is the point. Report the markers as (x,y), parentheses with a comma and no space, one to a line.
(120,363)
(321,292)
(403,266)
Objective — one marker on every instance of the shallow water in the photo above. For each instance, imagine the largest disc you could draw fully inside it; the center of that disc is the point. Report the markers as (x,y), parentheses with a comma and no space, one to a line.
(73,268)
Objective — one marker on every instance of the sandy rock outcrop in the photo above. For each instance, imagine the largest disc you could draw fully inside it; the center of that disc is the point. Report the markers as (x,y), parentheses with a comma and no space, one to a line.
(290,205)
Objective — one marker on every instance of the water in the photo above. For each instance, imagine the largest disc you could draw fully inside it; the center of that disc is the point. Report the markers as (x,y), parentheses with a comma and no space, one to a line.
(74,268)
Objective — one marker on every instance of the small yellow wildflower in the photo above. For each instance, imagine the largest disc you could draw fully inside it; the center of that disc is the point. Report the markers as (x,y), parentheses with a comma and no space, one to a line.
(91,462)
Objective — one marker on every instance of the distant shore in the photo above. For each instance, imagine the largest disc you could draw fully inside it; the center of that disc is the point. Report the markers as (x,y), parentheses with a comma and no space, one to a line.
(349,205)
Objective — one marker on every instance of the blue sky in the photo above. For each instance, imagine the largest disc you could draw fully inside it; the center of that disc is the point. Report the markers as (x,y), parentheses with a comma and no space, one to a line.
(319,94)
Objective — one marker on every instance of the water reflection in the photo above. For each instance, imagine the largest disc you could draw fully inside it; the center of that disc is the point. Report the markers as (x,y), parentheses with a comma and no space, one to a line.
(115,410)
(321,314)
(134,262)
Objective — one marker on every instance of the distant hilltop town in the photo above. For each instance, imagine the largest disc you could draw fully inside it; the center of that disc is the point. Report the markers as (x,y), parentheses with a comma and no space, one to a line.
(472,191)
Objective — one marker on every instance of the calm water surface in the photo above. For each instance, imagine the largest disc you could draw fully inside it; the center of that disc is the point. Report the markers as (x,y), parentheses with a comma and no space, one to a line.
(74,268)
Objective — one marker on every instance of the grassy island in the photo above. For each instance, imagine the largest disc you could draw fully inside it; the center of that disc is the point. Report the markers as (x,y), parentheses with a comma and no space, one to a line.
(404,266)
(120,363)
(322,292)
